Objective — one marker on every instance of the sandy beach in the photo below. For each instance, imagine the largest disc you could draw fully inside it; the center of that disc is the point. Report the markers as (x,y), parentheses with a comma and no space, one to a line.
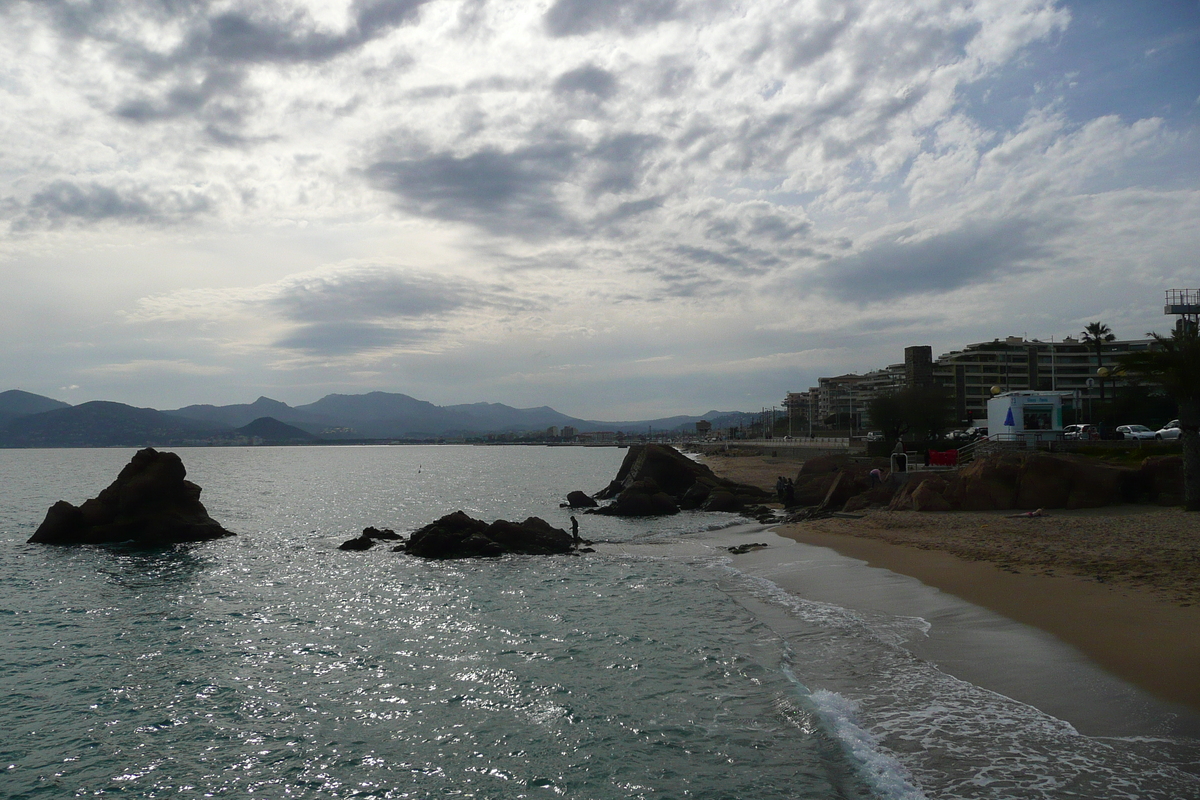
(1121,584)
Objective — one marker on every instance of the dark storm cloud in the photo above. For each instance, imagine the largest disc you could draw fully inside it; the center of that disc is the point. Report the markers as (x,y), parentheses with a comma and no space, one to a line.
(972,254)
(577,17)
(589,79)
(348,338)
(375,294)
(63,201)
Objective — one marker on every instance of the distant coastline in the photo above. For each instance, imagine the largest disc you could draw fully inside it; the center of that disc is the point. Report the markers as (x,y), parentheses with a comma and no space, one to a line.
(30,420)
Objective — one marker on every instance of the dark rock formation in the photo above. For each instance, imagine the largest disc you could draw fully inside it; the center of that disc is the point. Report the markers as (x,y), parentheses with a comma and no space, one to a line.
(655,480)
(1023,481)
(1162,480)
(1004,481)
(578,499)
(366,540)
(833,480)
(459,536)
(742,549)
(149,505)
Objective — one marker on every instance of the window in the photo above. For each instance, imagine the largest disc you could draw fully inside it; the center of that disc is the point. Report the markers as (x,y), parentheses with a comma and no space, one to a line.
(1038,418)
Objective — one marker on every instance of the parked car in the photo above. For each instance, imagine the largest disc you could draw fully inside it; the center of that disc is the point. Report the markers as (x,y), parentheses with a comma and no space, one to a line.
(976,433)
(1135,432)
(1168,431)
(874,436)
(1080,432)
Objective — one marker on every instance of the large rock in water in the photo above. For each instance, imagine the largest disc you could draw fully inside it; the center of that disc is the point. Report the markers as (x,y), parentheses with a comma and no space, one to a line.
(655,479)
(149,504)
(459,536)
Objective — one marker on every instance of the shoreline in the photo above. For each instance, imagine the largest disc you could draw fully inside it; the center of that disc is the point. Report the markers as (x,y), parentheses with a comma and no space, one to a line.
(1119,583)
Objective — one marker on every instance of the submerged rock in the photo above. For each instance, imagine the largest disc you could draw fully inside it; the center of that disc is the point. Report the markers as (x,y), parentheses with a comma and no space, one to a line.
(366,540)
(578,499)
(460,536)
(149,505)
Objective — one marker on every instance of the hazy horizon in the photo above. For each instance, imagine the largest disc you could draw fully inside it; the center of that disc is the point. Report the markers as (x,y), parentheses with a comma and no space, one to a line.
(620,210)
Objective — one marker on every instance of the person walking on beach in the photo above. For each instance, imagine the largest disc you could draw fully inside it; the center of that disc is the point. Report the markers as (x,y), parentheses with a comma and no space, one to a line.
(780,487)
(575,540)
(789,494)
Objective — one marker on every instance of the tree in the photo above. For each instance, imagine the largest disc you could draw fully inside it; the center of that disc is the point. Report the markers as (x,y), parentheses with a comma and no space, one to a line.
(924,411)
(1097,334)
(1174,363)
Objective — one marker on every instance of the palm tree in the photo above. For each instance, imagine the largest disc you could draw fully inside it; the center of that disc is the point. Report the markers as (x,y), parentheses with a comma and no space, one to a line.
(1098,334)
(1174,363)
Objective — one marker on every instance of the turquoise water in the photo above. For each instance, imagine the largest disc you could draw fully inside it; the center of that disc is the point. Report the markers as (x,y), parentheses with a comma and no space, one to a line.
(272,665)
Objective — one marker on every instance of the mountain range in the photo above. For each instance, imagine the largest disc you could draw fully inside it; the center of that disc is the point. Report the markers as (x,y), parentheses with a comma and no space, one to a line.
(30,420)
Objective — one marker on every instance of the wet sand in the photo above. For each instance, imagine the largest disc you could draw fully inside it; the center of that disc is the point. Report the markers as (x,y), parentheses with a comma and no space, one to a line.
(1121,584)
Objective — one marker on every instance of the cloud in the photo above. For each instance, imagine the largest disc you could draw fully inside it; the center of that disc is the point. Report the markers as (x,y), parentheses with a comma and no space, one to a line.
(211,46)
(498,190)
(579,17)
(350,338)
(155,365)
(64,201)
(373,293)
(335,312)
(588,79)
(901,264)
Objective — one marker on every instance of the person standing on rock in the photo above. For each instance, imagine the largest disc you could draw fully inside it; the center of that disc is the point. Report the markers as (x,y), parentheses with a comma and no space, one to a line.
(575,532)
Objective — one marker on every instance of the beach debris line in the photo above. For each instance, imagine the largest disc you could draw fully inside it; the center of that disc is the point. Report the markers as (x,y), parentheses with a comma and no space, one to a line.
(148,505)
(741,549)
(657,480)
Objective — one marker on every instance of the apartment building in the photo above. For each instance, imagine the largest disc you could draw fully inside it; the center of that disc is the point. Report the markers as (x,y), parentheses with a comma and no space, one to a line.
(969,374)
(1019,364)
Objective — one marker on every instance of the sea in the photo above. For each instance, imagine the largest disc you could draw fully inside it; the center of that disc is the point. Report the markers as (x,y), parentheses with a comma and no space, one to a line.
(273,665)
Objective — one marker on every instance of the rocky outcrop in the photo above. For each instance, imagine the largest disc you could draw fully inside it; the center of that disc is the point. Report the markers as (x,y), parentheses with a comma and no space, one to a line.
(833,480)
(459,536)
(655,480)
(1162,480)
(366,540)
(578,499)
(1022,481)
(148,505)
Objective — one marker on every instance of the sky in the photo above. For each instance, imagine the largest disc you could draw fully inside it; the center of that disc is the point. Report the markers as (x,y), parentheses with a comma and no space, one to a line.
(622,209)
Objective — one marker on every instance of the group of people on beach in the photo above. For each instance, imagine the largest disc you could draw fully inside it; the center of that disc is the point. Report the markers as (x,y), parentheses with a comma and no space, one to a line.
(785,490)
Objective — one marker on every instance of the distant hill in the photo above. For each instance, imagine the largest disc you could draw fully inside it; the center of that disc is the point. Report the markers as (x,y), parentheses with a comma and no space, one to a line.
(272,430)
(102,424)
(496,417)
(16,403)
(236,416)
(374,415)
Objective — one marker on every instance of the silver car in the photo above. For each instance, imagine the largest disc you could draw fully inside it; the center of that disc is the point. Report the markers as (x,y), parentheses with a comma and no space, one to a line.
(1168,431)
(1135,432)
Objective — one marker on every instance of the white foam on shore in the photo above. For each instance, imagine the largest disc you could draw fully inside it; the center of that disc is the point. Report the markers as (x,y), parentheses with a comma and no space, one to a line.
(886,775)
(915,728)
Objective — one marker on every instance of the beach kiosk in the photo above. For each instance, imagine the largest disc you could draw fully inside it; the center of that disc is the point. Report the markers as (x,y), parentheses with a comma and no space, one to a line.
(1025,416)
